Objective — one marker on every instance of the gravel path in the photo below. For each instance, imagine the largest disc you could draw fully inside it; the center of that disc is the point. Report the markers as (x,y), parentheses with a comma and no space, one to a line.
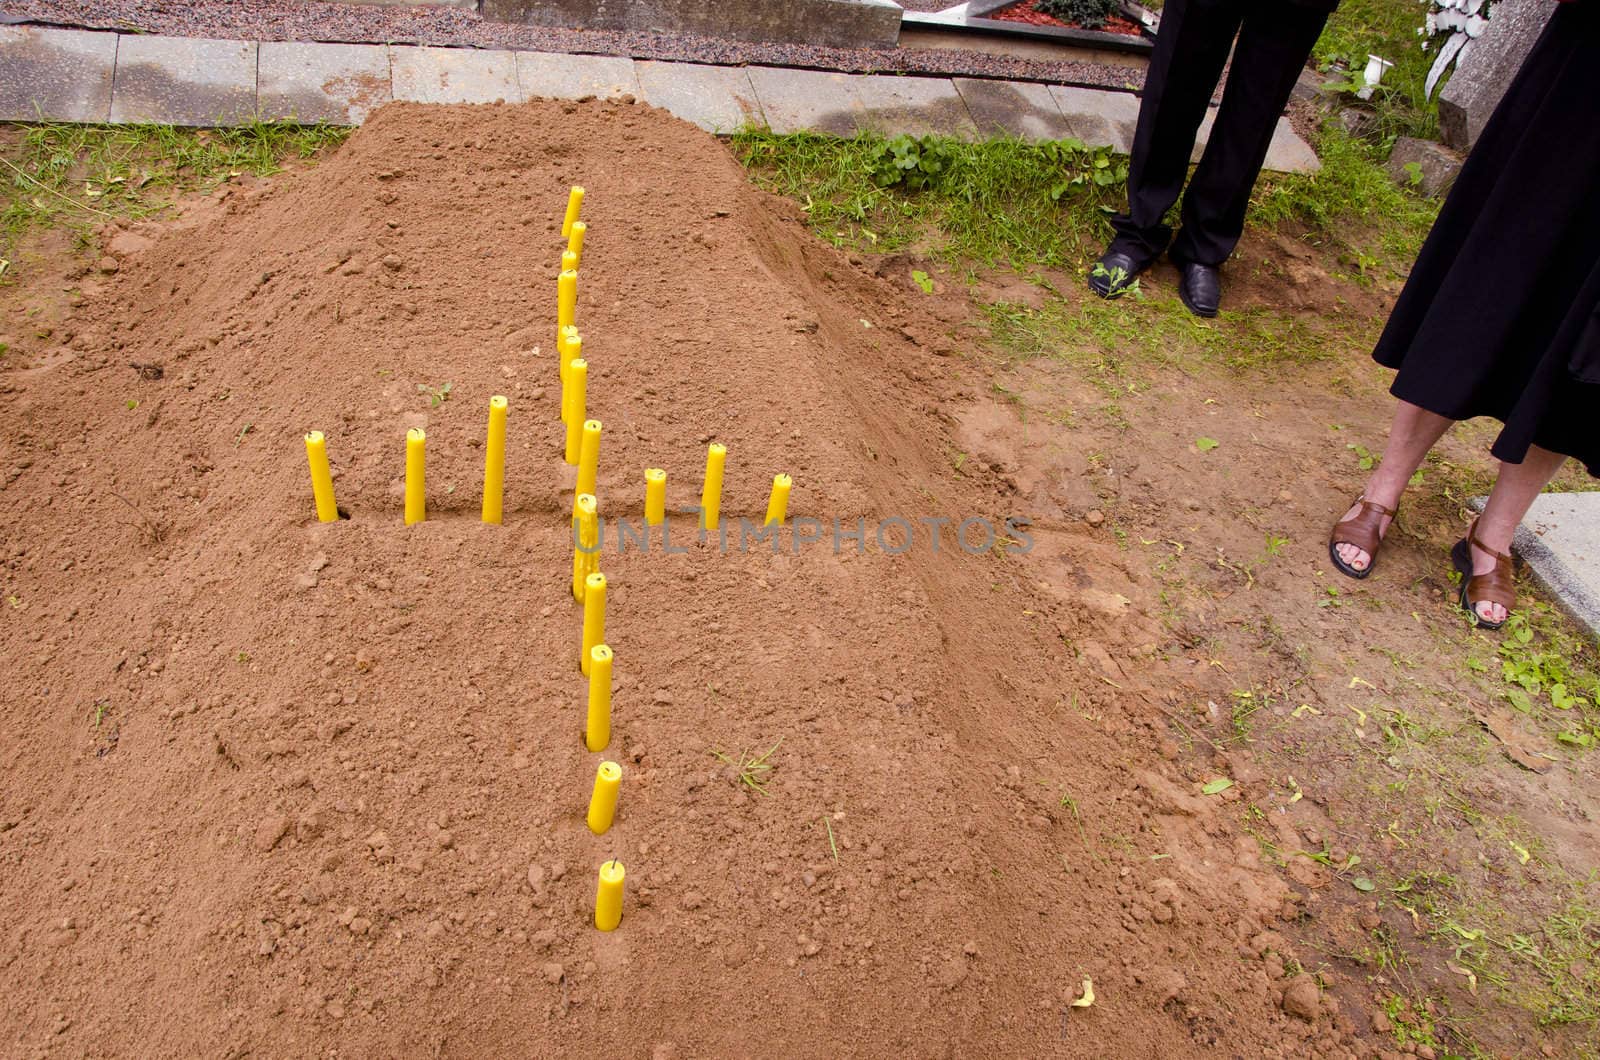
(319,20)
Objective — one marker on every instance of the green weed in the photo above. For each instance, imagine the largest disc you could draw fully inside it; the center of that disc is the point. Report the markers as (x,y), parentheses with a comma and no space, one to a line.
(754,770)
(437,395)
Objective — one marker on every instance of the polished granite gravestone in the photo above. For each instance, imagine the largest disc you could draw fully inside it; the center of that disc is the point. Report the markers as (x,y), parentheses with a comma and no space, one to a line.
(1482,76)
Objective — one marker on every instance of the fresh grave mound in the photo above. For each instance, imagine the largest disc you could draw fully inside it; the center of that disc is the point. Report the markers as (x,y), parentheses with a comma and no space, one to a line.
(276,787)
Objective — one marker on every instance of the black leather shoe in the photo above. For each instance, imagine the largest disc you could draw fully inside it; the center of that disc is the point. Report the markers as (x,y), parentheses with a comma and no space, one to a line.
(1113,275)
(1200,288)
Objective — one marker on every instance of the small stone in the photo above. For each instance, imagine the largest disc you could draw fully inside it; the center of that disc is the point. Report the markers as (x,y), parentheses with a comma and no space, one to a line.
(1430,168)
(970,949)
(692,900)
(391,261)
(1370,921)
(552,972)
(1301,997)
(558,870)
(271,830)
(1094,517)
(108,265)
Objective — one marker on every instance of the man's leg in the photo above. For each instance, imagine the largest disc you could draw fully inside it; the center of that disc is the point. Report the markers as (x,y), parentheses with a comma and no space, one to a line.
(1191,50)
(1274,43)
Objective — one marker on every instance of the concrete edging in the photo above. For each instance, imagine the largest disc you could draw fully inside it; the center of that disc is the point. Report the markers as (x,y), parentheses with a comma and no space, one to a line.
(90,76)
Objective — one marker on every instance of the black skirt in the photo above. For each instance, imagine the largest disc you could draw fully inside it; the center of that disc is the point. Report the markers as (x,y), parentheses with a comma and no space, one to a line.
(1501,314)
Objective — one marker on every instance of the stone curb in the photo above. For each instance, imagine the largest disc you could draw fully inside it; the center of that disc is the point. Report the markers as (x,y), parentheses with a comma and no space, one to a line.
(88,76)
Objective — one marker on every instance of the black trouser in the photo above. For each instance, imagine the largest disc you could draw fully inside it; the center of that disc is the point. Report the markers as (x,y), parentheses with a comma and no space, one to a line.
(1275,39)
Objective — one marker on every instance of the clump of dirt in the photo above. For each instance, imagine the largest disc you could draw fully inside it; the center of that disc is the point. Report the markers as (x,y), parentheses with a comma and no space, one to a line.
(276,787)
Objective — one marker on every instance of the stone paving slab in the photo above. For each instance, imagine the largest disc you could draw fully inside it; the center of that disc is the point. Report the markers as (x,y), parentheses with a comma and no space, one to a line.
(1559,540)
(454,75)
(1289,153)
(55,74)
(1012,108)
(916,105)
(184,80)
(798,100)
(554,75)
(1097,117)
(336,83)
(719,99)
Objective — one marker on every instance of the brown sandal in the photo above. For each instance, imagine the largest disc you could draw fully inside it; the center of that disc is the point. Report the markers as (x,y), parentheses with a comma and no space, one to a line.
(1363,531)
(1499,586)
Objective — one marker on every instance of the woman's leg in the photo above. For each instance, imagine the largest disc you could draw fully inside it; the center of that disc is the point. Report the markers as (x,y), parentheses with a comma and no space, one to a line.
(1411,435)
(1514,490)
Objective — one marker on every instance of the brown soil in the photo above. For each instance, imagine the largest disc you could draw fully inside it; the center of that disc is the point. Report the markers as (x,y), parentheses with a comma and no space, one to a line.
(276,787)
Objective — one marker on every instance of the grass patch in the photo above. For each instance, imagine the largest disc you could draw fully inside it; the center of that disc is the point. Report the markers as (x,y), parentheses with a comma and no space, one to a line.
(1350,202)
(1386,28)
(81,176)
(995,201)
(1109,339)
(1028,205)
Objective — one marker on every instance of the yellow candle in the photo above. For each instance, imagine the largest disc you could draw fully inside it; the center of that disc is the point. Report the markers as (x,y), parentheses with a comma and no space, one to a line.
(321,478)
(416,488)
(569,346)
(494,461)
(574,204)
(655,496)
(569,261)
(597,730)
(566,299)
(594,617)
(608,897)
(711,494)
(588,456)
(778,505)
(575,241)
(587,535)
(603,800)
(577,405)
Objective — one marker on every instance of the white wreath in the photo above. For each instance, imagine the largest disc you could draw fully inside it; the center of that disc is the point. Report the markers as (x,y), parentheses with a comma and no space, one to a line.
(1464,22)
